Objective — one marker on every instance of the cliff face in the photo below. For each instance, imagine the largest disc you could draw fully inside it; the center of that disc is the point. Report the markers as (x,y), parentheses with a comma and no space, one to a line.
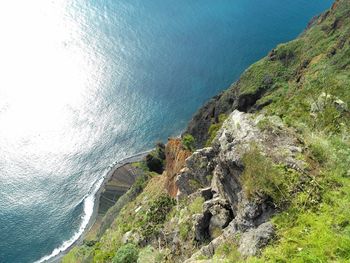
(287,69)
(240,200)
(272,183)
(176,156)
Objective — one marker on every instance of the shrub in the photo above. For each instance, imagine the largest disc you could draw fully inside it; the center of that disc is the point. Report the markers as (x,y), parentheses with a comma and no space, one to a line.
(155,159)
(126,254)
(157,214)
(160,208)
(319,150)
(188,142)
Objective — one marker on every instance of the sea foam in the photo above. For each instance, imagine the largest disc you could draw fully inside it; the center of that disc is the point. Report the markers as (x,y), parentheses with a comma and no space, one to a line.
(89,203)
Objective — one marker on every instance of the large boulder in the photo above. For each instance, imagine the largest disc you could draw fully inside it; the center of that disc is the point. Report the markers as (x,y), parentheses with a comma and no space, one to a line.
(197,172)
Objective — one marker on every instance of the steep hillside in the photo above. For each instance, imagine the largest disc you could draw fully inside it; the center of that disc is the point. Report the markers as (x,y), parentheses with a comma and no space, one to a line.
(273,181)
(292,75)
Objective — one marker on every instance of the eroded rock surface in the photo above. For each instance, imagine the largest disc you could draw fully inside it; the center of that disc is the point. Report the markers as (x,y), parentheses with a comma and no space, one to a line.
(218,169)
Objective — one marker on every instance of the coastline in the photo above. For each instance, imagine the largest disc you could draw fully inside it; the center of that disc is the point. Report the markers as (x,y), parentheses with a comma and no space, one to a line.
(106,178)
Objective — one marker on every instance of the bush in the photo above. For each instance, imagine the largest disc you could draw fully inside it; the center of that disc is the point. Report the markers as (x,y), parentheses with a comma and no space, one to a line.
(157,214)
(126,254)
(155,159)
(159,209)
(154,163)
(319,150)
(188,142)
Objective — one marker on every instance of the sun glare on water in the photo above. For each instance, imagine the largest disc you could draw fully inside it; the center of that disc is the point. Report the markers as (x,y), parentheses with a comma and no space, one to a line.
(45,69)
(49,75)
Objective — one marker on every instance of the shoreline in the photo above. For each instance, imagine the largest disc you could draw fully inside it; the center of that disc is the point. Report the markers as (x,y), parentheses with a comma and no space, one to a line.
(113,167)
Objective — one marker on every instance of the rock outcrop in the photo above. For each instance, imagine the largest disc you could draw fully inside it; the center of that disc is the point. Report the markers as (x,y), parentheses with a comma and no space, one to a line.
(228,211)
(224,103)
(256,165)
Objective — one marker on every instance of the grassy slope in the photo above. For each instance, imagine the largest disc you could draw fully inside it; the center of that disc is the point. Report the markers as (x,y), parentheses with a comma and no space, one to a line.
(316,226)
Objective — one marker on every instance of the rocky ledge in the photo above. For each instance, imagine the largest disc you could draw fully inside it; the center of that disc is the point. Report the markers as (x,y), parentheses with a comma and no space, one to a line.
(217,173)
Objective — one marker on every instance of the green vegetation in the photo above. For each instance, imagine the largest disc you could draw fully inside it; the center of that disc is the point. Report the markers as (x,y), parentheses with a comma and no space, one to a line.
(318,231)
(214,128)
(196,206)
(313,98)
(305,85)
(262,177)
(183,213)
(227,253)
(141,165)
(142,209)
(307,88)
(74,254)
(156,215)
(128,253)
(188,142)
(150,255)
(155,160)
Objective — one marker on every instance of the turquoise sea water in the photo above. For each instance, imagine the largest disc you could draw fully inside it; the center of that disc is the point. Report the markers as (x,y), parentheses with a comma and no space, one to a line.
(87,82)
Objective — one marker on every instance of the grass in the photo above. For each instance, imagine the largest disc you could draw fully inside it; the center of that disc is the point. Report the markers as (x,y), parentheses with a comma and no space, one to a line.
(227,252)
(150,255)
(315,225)
(183,213)
(141,165)
(196,206)
(320,232)
(261,177)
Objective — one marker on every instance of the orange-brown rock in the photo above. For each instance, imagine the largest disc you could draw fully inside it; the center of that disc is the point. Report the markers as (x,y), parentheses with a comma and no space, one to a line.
(335,5)
(175,156)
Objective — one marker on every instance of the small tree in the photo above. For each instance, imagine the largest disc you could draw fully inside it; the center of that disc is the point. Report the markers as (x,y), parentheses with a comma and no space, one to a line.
(188,142)
(126,254)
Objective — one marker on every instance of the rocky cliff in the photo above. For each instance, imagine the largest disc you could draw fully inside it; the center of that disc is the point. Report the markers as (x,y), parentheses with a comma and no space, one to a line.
(262,173)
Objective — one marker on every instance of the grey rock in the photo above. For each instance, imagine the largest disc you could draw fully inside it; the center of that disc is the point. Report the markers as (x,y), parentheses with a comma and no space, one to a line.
(326,99)
(197,173)
(131,236)
(228,209)
(127,237)
(253,240)
(201,226)
(220,213)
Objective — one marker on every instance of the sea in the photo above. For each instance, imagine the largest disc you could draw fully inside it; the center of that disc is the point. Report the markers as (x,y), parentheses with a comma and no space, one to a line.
(86,83)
